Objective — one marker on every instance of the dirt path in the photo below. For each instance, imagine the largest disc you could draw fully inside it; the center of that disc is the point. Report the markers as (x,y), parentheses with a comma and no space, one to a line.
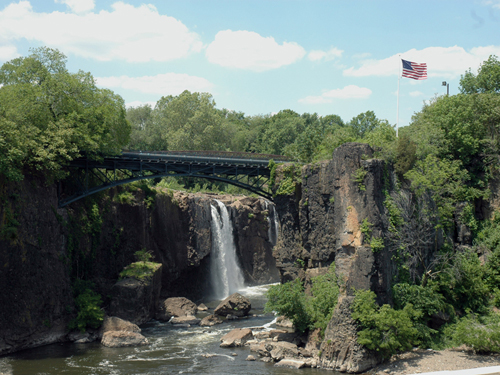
(420,361)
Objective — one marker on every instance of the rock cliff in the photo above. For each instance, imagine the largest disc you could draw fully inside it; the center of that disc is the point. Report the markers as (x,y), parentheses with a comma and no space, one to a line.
(43,248)
(321,222)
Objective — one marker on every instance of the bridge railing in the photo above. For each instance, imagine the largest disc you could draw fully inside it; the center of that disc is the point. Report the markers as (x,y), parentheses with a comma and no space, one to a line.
(216,154)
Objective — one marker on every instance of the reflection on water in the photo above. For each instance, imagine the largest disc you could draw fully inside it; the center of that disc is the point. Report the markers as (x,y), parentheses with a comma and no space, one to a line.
(172,350)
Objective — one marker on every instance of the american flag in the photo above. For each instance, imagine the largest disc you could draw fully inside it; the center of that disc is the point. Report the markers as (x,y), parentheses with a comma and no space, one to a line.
(414,70)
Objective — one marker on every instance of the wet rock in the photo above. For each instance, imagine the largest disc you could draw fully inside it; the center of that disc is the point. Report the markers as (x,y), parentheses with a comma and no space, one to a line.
(235,304)
(209,355)
(237,337)
(113,323)
(202,307)
(175,306)
(190,319)
(262,335)
(340,349)
(250,358)
(261,349)
(82,337)
(210,321)
(283,349)
(314,340)
(117,339)
(282,335)
(290,362)
(283,321)
(136,300)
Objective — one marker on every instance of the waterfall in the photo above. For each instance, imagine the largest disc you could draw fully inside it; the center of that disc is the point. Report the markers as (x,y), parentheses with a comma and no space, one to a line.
(272,219)
(226,275)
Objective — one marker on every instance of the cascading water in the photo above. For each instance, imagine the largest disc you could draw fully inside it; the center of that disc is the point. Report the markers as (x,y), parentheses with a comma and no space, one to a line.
(272,219)
(226,275)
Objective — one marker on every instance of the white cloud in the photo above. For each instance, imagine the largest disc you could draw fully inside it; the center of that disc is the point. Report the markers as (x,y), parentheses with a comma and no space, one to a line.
(348,92)
(78,6)
(8,52)
(135,34)
(445,62)
(493,3)
(414,94)
(161,84)
(331,54)
(251,51)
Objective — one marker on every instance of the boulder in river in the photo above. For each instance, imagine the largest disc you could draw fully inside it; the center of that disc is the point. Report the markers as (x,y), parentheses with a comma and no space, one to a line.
(135,299)
(237,337)
(189,319)
(235,304)
(118,339)
(175,306)
(113,323)
(210,321)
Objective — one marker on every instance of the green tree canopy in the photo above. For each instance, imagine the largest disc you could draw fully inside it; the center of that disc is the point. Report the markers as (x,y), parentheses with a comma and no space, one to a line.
(486,80)
(461,127)
(365,122)
(48,116)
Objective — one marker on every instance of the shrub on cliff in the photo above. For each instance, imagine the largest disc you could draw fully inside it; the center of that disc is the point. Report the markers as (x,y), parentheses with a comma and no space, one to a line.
(143,268)
(306,312)
(88,305)
(382,328)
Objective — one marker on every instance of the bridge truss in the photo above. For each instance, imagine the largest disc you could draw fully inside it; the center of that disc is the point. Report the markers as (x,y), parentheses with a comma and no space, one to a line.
(88,175)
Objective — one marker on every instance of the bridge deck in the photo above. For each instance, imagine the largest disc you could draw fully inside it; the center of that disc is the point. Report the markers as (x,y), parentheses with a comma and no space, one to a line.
(131,166)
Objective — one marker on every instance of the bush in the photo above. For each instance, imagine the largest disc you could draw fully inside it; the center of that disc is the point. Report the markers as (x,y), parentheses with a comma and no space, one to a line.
(304,311)
(289,300)
(427,302)
(325,292)
(88,305)
(463,283)
(482,333)
(384,329)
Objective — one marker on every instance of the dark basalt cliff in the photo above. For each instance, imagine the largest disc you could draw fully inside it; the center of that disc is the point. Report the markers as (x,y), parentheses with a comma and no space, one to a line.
(42,248)
(321,223)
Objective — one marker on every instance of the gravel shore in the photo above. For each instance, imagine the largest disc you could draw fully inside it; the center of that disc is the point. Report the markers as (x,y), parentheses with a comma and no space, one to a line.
(420,361)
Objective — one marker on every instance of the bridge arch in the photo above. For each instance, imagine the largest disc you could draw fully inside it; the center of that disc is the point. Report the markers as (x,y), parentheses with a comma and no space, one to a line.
(89,175)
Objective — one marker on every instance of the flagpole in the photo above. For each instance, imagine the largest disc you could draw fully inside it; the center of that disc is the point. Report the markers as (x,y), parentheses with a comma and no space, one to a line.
(399,79)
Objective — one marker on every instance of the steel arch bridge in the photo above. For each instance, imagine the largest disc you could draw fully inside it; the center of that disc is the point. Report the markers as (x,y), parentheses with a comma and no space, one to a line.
(91,175)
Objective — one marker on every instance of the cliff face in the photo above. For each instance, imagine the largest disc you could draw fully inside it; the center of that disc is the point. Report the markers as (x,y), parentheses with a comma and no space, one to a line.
(35,295)
(43,248)
(321,222)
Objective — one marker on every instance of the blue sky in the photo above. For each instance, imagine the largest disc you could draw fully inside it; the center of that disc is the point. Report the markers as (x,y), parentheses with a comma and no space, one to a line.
(260,57)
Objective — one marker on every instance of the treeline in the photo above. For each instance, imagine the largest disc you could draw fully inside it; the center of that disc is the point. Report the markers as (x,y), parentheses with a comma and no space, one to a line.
(190,121)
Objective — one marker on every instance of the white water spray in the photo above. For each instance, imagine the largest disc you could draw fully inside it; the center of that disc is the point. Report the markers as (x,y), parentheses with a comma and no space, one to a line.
(272,219)
(226,275)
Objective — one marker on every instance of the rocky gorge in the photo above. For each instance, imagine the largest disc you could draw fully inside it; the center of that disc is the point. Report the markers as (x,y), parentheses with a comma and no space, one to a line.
(320,220)
(42,248)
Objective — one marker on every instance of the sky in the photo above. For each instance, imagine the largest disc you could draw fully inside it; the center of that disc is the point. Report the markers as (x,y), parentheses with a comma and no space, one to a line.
(258,57)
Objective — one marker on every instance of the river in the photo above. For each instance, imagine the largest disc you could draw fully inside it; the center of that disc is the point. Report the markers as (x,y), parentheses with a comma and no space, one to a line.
(171,351)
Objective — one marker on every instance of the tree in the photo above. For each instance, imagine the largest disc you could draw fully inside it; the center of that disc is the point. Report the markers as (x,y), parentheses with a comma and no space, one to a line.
(461,127)
(142,134)
(447,183)
(365,122)
(189,122)
(486,80)
(280,131)
(49,116)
